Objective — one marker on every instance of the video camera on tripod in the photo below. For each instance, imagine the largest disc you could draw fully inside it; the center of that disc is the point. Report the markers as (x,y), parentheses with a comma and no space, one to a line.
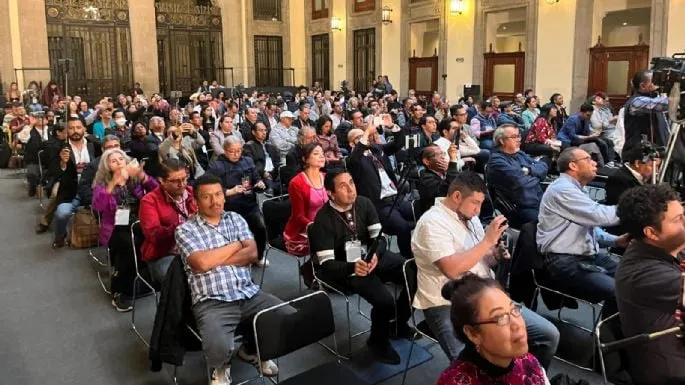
(669,74)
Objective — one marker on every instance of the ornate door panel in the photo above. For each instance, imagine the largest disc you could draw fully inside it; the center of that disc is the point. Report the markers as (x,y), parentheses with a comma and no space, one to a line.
(503,74)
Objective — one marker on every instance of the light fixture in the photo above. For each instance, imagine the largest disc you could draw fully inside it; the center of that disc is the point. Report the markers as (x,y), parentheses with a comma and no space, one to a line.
(385,15)
(456,7)
(625,23)
(552,1)
(336,24)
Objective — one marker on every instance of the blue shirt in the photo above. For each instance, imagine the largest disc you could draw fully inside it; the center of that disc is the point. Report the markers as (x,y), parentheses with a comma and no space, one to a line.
(226,283)
(573,127)
(568,220)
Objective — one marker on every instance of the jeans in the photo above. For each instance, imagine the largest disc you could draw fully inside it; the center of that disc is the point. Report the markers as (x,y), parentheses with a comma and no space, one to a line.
(63,213)
(485,143)
(399,223)
(159,267)
(217,322)
(543,336)
(564,272)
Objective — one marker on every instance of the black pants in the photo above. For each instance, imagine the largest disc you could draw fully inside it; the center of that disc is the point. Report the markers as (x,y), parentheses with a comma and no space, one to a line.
(606,147)
(400,223)
(372,288)
(256,224)
(121,255)
(537,149)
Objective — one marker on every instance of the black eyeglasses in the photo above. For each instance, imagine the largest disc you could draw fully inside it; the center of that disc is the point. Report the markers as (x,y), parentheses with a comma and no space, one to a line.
(503,319)
(581,159)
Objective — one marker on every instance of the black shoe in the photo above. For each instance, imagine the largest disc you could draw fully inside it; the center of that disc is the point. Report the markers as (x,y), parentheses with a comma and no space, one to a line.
(41,228)
(122,304)
(383,351)
(58,243)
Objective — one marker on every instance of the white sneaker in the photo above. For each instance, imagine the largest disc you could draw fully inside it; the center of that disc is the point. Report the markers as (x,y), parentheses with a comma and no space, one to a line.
(262,262)
(221,376)
(269,368)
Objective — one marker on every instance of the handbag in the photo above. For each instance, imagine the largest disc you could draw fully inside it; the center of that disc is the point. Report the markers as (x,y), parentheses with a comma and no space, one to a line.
(85,229)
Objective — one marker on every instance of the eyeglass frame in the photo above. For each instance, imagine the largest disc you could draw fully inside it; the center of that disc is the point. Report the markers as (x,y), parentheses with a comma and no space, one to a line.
(500,320)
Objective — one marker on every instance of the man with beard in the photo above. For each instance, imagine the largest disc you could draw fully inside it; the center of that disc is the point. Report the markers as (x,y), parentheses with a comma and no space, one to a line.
(83,150)
(648,288)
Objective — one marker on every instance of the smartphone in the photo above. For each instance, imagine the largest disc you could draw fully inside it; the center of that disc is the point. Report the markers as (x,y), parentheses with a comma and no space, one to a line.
(504,223)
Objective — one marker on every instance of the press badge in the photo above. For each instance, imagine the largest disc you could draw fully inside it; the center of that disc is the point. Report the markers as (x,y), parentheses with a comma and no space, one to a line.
(354,251)
(122,216)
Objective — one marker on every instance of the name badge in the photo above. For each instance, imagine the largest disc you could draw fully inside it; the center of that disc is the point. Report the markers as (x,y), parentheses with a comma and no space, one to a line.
(204,149)
(121,218)
(354,251)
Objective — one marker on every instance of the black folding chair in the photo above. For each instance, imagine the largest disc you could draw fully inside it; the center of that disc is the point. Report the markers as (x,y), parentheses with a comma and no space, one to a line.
(278,334)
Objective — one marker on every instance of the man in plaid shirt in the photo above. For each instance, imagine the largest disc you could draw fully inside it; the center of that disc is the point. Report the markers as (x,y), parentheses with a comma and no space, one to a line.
(217,249)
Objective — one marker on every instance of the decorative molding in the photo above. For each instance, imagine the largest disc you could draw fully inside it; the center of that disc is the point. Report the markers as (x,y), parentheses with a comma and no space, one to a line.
(186,13)
(87,11)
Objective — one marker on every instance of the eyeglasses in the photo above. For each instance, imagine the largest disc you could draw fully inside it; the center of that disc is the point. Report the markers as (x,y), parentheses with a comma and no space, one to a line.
(111,146)
(177,181)
(504,319)
(582,159)
(234,152)
(513,137)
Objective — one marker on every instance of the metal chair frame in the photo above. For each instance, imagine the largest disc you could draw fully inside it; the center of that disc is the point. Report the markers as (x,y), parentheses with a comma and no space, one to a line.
(417,332)
(137,278)
(41,175)
(598,343)
(108,264)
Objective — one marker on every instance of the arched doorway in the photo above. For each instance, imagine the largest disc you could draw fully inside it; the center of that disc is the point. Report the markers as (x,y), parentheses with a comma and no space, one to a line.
(90,47)
(189,45)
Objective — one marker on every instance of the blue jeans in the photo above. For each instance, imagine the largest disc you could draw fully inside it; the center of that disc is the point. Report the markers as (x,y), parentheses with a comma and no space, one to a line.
(159,267)
(63,213)
(485,143)
(543,336)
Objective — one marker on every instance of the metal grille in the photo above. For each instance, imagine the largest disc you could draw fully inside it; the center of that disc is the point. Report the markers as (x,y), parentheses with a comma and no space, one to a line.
(267,9)
(268,53)
(101,57)
(364,59)
(320,60)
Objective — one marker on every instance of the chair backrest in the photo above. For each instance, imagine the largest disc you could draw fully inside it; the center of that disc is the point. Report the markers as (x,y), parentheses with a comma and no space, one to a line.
(279,332)
(276,212)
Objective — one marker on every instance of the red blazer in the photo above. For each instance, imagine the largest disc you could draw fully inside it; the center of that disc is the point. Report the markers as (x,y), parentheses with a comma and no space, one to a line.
(300,201)
(158,220)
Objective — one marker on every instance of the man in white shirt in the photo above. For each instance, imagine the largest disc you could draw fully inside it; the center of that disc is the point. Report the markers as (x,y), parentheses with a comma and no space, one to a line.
(448,242)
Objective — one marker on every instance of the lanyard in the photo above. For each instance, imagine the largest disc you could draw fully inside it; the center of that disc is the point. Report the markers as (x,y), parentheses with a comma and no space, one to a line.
(350,220)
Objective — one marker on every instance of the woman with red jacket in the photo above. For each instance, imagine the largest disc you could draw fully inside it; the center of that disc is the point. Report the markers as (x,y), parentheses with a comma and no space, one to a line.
(161,212)
(307,196)
(542,137)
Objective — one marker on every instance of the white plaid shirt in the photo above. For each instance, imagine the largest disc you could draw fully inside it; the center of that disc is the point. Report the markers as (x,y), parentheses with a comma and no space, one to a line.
(223,283)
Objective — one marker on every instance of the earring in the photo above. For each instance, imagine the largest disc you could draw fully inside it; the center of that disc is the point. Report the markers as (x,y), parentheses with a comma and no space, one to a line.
(478,348)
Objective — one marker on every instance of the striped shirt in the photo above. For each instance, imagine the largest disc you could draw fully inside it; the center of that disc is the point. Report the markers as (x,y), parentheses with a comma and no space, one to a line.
(223,283)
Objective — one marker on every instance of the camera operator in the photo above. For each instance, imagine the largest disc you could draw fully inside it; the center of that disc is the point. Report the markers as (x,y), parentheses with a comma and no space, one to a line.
(644,113)
(636,170)
(648,288)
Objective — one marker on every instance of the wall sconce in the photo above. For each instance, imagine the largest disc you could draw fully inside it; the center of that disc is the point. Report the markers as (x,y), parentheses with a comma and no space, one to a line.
(336,24)
(385,15)
(456,7)
(552,2)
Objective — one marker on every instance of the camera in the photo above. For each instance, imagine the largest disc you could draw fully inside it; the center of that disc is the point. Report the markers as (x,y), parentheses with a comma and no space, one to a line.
(667,72)
(650,151)
(411,141)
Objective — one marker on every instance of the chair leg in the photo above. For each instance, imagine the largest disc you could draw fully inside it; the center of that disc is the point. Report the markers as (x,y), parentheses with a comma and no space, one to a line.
(266,256)
(299,276)
(411,348)
(349,328)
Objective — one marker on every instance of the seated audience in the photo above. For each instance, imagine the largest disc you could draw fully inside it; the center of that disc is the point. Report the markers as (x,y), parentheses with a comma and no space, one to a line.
(558,101)
(449,129)
(542,136)
(284,135)
(515,176)
(85,181)
(530,113)
(294,159)
(217,137)
(449,241)
(117,190)
(62,181)
(437,175)
(636,170)
(577,132)
(342,230)
(182,143)
(241,181)
(265,157)
(328,141)
(493,331)
(370,167)
(307,196)
(139,145)
(161,212)
(468,146)
(569,233)
(508,116)
(251,117)
(38,136)
(648,282)
(217,250)
(603,120)
(303,117)
(157,131)
(483,125)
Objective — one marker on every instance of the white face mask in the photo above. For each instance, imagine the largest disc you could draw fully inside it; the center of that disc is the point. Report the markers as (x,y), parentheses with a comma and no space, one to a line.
(35,100)
(120,122)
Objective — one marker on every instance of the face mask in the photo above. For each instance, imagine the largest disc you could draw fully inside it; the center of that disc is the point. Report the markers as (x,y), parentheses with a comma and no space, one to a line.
(120,122)
(35,100)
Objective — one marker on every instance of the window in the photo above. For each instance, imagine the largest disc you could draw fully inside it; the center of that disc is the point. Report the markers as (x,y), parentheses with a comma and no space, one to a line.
(319,9)
(266,10)
(268,61)
(364,59)
(364,5)
(320,60)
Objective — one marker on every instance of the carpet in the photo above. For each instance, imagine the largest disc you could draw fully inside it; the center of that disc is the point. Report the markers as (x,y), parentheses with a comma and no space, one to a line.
(367,368)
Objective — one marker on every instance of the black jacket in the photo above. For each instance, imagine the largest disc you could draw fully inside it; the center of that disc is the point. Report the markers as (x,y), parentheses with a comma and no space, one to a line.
(432,185)
(246,130)
(85,183)
(364,171)
(143,147)
(298,123)
(647,292)
(622,180)
(293,164)
(231,175)
(34,144)
(255,151)
(68,181)
(170,335)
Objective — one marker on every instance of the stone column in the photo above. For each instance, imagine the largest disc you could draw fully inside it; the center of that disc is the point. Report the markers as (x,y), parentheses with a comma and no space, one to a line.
(232,27)
(391,50)
(296,48)
(144,44)
(29,37)
(659,25)
(675,41)
(582,41)
(338,44)
(459,50)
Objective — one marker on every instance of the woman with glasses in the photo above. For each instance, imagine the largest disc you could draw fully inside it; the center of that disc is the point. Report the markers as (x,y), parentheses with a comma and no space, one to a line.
(493,331)
(118,186)
(328,141)
(542,137)
(181,143)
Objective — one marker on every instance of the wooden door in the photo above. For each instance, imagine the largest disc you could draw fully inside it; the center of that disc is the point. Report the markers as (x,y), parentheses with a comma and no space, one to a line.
(503,74)
(423,75)
(612,69)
